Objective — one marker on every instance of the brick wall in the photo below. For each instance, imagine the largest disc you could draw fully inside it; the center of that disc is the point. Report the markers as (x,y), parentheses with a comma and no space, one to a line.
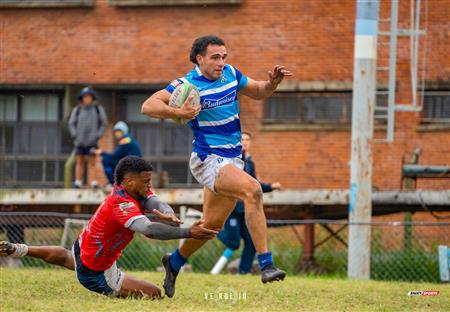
(149,45)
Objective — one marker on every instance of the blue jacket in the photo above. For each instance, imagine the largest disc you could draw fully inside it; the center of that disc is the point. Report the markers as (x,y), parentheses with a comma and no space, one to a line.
(130,147)
(249,167)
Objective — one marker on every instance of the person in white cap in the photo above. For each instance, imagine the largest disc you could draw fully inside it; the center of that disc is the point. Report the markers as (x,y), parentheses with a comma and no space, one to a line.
(126,146)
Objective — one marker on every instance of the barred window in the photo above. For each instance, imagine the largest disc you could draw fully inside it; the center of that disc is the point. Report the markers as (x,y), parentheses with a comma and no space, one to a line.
(308,107)
(316,108)
(8,108)
(34,141)
(166,144)
(436,107)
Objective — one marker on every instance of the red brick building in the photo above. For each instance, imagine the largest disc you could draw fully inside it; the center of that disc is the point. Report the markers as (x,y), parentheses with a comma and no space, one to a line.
(301,136)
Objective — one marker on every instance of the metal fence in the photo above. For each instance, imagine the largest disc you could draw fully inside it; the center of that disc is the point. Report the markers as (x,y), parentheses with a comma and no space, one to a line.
(405,251)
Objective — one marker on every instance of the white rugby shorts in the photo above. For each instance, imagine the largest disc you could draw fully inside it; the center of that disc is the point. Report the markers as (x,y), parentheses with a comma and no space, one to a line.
(206,171)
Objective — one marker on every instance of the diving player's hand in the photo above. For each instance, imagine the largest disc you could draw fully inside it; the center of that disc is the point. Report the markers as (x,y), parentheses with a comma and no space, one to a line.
(197,231)
(189,111)
(169,218)
(277,75)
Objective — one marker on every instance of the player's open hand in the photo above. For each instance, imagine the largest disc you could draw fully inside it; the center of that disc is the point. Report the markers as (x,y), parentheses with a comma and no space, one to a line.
(189,111)
(197,231)
(277,75)
(168,218)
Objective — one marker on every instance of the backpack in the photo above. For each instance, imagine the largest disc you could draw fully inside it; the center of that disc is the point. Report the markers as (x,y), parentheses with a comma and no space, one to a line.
(77,114)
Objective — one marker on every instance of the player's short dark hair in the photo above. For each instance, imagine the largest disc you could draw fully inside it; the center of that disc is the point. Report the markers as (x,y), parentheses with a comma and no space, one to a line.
(201,44)
(130,164)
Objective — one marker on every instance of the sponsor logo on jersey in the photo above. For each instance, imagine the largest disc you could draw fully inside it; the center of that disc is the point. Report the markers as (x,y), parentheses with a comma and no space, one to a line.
(225,100)
(175,83)
(125,207)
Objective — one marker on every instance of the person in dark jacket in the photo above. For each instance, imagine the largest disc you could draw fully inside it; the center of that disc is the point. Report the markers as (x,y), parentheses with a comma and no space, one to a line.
(126,146)
(87,123)
(235,227)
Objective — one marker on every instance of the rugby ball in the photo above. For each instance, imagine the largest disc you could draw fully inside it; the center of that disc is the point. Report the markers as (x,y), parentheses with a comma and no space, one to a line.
(179,96)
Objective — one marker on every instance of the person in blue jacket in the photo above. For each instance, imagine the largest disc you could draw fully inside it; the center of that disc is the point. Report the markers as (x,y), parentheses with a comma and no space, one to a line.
(126,146)
(235,227)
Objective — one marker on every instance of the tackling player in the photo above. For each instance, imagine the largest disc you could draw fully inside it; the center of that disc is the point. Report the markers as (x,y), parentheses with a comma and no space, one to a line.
(111,229)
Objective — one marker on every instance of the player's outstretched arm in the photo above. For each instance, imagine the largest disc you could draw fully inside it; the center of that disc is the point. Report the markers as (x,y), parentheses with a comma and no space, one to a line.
(162,210)
(260,90)
(157,106)
(153,202)
(162,231)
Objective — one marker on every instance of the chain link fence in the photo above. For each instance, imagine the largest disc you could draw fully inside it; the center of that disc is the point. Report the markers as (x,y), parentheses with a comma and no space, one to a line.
(406,251)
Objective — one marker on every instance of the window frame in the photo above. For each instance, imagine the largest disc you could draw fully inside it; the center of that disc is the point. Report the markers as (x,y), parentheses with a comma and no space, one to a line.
(16,156)
(346,94)
(321,125)
(434,121)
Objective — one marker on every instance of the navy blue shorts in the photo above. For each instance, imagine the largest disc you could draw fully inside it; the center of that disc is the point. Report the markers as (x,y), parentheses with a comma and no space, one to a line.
(106,282)
(89,150)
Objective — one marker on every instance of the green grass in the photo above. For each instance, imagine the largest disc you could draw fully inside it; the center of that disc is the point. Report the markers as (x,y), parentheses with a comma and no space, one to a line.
(29,289)
(391,258)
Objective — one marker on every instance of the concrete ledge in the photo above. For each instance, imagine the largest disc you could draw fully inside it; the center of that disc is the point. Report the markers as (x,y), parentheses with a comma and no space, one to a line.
(125,3)
(437,127)
(329,127)
(292,85)
(304,127)
(45,3)
(287,204)
(437,85)
(312,197)
(320,86)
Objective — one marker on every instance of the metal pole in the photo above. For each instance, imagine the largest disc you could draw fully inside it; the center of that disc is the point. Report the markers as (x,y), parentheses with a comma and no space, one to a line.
(364,85)
(392,71)
(414,60)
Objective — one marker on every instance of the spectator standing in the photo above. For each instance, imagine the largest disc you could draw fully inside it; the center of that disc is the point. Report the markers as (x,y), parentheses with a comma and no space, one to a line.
(86,125)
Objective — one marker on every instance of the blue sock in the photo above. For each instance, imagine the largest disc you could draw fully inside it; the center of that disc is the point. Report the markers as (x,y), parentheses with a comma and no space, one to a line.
(264,260)
(177,260)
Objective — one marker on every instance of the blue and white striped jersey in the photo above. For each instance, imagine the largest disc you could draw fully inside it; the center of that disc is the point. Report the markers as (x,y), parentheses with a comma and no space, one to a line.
(217,128)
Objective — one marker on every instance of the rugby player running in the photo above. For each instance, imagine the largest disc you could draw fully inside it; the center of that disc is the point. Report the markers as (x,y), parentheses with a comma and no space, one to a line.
(216,158)
(111,229)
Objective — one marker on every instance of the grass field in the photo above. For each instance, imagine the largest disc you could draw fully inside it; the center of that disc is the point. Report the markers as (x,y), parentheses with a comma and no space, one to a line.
(58,290)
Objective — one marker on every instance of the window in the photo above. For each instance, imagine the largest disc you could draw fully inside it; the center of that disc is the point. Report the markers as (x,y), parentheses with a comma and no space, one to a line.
(40,108)
(34,142)
(315,108)
(308,107)
(44,3)
(163,142)
(8,108)
(436,107)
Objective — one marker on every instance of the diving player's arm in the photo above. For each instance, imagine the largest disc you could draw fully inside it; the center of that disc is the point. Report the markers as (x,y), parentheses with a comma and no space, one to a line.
(153,202)
(157,106)
(162,210)
(260,90)
(162,231)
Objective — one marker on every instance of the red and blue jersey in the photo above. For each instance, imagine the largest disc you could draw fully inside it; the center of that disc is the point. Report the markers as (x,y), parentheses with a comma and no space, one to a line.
(107,233)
